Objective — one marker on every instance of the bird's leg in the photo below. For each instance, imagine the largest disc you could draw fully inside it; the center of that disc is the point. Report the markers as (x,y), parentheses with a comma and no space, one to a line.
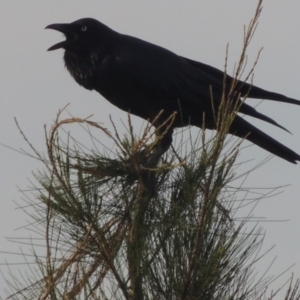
(161,145)
(163,132)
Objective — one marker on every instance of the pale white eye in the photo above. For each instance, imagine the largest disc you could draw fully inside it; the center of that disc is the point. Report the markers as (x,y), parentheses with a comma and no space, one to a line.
(83,28)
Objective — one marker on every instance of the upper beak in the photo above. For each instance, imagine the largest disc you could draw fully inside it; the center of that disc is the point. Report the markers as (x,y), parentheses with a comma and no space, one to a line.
(66,30)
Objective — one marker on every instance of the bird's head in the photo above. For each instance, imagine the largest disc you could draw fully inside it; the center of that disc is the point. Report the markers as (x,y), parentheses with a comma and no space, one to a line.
(81,34)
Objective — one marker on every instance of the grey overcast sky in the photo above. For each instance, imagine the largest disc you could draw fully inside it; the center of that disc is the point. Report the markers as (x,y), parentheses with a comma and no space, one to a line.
(35,85)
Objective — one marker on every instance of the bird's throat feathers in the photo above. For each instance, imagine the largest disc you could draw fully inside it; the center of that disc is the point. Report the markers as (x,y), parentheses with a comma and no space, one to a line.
(82,67)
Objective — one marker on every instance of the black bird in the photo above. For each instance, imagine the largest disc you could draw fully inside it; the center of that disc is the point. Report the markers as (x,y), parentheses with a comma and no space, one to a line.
(143,79)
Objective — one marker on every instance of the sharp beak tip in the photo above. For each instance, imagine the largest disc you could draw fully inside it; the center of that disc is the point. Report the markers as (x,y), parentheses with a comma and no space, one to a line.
(59,27)
(56,46)
(50,26)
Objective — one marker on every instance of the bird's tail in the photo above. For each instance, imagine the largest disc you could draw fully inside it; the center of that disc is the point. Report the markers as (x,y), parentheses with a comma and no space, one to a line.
(258,93)
(243,129)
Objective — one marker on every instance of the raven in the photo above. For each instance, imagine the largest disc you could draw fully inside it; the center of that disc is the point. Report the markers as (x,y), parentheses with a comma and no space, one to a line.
(144,79)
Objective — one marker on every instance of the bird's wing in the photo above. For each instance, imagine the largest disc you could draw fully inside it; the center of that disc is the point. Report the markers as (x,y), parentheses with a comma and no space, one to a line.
(154,70)
(246,90)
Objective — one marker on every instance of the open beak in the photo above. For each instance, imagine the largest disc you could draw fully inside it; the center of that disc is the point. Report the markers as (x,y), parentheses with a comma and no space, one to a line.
(66,29)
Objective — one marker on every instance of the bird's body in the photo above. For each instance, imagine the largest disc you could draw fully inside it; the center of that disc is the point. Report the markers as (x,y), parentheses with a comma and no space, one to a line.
(122,77)
(144,79)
